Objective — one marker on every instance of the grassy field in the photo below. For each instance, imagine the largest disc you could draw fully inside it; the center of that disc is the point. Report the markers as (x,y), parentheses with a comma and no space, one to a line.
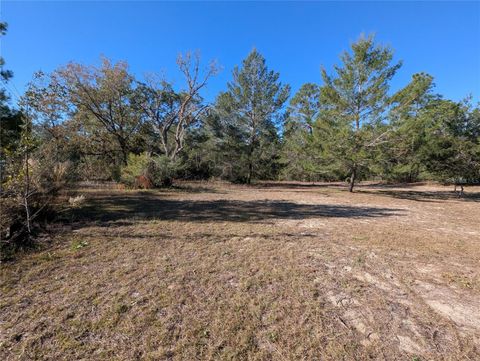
(276,271)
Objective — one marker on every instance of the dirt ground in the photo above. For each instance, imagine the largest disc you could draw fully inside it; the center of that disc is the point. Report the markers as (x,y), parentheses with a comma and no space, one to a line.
(275,271)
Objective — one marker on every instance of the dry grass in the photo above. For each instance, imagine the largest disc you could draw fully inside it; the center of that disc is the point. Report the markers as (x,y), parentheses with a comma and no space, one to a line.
(270,272)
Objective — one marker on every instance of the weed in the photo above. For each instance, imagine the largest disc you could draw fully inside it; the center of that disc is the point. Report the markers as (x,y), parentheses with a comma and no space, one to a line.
(121,308)
(78,244)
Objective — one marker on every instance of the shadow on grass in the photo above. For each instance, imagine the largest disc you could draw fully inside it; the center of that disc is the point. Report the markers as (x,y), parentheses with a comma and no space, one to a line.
(185,188)
(333,185)
(423,196)
(297,185)
(144,206)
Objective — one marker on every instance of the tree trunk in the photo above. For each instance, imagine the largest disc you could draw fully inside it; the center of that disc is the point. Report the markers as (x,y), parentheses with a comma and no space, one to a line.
(124,150)
(352,179)
(25,195)
(250,161)
(250,171)
(460,194)
(124,157)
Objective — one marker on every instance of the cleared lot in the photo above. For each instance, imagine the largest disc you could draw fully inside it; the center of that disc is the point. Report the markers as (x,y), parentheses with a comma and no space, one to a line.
(283,271)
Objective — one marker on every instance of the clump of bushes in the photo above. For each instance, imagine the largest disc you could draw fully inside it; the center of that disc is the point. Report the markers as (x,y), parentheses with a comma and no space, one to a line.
(26,200)
(147,171)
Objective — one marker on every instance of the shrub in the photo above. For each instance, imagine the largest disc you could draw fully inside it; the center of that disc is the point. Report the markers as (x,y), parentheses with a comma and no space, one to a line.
(26,200)
(162,170)
(145,171)
(137,165)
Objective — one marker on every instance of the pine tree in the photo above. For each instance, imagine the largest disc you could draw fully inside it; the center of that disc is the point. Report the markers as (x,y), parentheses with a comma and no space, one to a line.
(298,155)
(354,100)
(250,112)
(452,148)
(11,120)
(400,159)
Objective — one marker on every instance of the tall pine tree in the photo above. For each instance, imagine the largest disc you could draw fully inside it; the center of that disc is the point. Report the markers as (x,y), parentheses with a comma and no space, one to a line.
(354,100)
(250,112)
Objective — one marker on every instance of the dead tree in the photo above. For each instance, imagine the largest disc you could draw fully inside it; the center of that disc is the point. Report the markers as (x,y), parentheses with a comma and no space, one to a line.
(172,113)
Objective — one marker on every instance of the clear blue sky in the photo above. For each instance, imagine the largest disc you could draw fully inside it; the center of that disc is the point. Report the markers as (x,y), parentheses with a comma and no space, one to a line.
(441,38)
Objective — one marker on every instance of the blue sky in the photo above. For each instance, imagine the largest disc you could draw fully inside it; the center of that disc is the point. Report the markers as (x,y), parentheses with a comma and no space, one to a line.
(296,38)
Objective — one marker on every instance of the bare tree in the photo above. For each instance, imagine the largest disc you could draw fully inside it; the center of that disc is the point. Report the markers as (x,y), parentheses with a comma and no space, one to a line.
(172,113)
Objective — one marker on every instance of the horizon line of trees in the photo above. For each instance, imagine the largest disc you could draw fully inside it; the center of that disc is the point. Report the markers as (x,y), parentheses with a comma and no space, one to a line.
(109,125)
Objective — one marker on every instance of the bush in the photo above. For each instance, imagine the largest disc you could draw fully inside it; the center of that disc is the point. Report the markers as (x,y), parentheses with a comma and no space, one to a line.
(162,171)
(137,165)
(145,171)
(26,200)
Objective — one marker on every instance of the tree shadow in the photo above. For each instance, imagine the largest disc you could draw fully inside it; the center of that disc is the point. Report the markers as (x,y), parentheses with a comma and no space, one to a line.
(342,186)
(426,196)
(297,185)
(186,188)
(128,208)
(381,185)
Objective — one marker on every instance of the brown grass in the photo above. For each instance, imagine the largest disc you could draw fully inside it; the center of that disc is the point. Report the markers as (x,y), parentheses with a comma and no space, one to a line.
(276,271)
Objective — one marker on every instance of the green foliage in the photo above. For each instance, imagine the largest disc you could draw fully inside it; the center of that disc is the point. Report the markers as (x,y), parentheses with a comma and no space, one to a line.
(353,105)
(162,170)
(102,100)
(11,122)
(299,156)
(249,115)
(452,144)
(5,74)
(137,165)
(31,178)
(156,171)
(400,159)
(200,156)
(78,244)
(10,119)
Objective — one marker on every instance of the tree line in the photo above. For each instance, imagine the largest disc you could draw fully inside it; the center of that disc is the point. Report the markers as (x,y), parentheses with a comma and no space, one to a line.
(108,123)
